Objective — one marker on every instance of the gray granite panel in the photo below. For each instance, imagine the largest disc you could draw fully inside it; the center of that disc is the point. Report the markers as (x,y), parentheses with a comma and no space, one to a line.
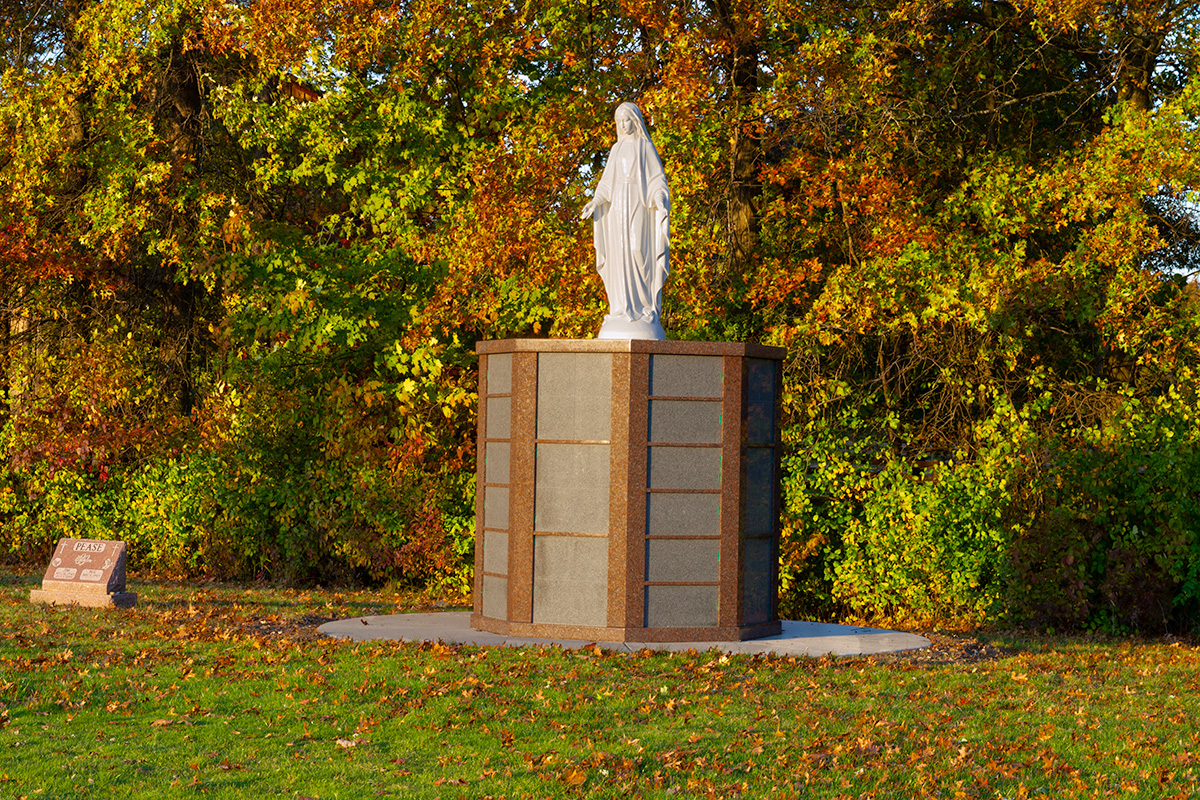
(571,493)
(495,507)
(499,417)
(495,462)
(495,552)
(685,421)
(760,408)
(760,491)
(570,580)
(681,606)
(683,514)
(684,468)
(682,560)
(495,597)
(574,396)
(686,376)
(499,377)
(758,581)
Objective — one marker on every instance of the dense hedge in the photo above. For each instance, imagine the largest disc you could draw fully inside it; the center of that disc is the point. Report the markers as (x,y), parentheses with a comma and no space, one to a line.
(1095,527)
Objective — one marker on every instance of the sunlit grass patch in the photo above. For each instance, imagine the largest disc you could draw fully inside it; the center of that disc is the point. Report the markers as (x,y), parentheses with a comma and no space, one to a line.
(224,689)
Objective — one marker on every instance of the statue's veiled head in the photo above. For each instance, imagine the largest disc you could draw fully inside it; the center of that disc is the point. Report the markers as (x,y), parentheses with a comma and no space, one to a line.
(629,122)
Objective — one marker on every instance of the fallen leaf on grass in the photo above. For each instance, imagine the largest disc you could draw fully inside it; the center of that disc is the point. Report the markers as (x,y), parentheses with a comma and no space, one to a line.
(347,743)
(574,777)
(160,723)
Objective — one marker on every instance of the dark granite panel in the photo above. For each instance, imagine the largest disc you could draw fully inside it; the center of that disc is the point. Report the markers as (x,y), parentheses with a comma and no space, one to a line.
(758,581)
(685,421)
(685,376)
(684,468)
(496,462)
(574,396)
(495,597)
(499,417)
(495,552)
(760,402)
(499,373)
(760,491)
(495,507)
(682,560)
(572,488)
(681,606)
(570,580)
(683,514)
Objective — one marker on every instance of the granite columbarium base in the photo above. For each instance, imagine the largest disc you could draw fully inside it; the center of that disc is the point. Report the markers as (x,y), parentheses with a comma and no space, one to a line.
(628,490)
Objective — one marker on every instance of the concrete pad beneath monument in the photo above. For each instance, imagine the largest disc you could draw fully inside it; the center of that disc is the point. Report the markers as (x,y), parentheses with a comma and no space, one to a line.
(796,639)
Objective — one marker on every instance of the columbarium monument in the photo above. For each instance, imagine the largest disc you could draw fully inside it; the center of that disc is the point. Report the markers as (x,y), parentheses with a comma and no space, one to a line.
(628,486)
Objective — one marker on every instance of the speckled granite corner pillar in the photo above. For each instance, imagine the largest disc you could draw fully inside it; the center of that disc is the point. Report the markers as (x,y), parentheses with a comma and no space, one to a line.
(628,490)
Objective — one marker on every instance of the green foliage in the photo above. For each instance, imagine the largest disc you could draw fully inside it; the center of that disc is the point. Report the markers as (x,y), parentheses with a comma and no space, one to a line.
(1088,527)
(1114,544)
(916,539)
(924,546)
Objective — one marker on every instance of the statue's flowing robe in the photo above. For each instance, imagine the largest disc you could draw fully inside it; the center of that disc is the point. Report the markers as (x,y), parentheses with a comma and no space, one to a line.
(632,241)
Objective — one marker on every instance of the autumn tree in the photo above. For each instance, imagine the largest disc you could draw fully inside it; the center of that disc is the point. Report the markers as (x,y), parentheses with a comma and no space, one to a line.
(248,250)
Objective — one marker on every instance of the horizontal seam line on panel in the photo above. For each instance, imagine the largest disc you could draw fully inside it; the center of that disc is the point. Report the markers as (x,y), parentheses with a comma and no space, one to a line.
(572,441)
(496,574)
(564,533)
(499,441)
(681,583)
(711,445)
(710,536)
(653,490)
(685,397)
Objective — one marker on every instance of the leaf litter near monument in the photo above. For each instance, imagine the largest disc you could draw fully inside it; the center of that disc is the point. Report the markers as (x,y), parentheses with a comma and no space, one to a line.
(225,688)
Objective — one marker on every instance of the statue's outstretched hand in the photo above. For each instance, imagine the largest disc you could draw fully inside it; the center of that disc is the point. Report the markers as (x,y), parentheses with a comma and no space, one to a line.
(588,209)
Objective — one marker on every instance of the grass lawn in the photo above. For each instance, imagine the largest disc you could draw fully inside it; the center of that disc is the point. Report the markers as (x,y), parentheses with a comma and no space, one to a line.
(225,691)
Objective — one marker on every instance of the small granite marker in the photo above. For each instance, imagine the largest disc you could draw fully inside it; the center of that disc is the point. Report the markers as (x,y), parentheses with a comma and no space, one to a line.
(85,572)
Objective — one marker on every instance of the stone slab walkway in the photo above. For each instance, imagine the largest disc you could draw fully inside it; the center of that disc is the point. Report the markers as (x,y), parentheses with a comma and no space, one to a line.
(797,638)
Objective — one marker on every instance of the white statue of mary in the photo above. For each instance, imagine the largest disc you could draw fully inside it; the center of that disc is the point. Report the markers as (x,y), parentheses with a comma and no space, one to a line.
(631,213)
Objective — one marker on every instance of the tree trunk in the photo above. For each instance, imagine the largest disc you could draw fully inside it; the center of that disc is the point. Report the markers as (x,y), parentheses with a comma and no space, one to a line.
(745,143)
(1139,59)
